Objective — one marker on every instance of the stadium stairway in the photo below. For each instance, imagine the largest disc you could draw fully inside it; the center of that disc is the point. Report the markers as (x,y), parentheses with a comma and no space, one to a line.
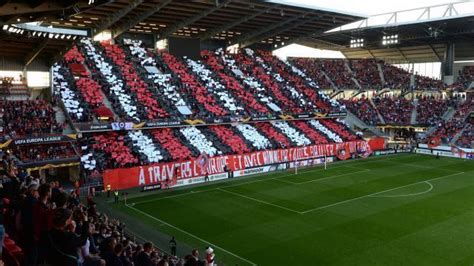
(353,121)
(459,133)
(61,118)
(378,113)
(380,69)
(414,112)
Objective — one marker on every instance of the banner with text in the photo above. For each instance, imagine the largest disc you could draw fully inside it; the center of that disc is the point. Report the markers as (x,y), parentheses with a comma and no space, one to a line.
(124,178)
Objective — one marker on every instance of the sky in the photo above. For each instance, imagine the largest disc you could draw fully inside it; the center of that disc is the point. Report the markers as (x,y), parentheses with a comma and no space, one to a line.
(368,7)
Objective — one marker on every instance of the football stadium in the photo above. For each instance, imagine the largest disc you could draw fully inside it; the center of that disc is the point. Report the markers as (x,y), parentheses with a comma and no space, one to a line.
(232,132)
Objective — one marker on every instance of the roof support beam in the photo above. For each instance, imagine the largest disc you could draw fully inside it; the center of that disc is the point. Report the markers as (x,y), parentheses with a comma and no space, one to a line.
(36,51)
(277,31)
(112,19)
(137,19)
(170,30)
(434,52)
(265,29)
(403,55)
(225,27)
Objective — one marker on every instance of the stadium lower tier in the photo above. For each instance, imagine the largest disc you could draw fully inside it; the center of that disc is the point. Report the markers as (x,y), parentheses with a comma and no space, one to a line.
(113,150)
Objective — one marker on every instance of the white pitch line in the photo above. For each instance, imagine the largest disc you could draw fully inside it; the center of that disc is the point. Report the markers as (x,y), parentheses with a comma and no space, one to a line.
(189,234)
(380,192)
(328,177)
(257,200)
(408,195)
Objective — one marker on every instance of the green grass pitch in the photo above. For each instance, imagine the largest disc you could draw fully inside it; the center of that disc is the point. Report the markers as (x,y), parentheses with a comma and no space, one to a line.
(395,210)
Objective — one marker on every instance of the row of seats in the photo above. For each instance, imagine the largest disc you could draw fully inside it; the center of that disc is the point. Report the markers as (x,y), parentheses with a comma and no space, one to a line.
(430,110)
(90,90)
(314,135)
(228,137)
(115,149)
(395,77)
(162,81)
(367,73)
(208,106)
(302,83)
(44,152)
(250,67)
(123,101)
(465,78)
(248,81)
(214,87)
(310,69)
(64,88)
(151,106)
(394,110)
(363,110)
(245,97)
(330,134)
(30,117)
(293,90)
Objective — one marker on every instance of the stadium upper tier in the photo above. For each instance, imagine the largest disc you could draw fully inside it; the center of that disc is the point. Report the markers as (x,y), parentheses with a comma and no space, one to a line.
(144,85)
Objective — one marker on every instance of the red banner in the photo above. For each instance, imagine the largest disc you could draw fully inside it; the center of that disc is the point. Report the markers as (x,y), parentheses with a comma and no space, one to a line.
(124,178)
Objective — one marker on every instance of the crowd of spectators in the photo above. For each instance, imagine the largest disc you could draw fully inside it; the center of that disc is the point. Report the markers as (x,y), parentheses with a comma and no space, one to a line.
(394,110)
(367,73)
(50,225)
(44,152)
(30,117)
(430,110)
(466,140)
(465,78)
(446,130)
(363,109)
(427,83)
(395,77)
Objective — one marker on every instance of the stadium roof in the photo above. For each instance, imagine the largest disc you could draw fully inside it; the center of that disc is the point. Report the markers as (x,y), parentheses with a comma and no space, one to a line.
(226,21)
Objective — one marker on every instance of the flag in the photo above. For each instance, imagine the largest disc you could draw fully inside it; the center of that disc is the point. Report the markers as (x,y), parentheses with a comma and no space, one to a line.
(203,162)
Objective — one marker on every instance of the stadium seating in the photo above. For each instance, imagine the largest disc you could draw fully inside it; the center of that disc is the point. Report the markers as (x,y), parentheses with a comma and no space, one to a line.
(168,140)
(279,140)
(466,140)
(64,88)
(338,128)
(117,154)
(427,83)
(123,99)
(32,117)
(446,130)
(298,79)
(144,145)
(214,87)
(312,133)
(152,108)
(75,60)
(367,73)
(394,110)
(250,67)
(206,103)
(162,81)
(395,77)
(321,128)
(90,90)
(339,74)
(430,110)
(249,82)
(291,133)
(312,69)
(252,135)
(228,136)
(362,109)
(44,152)
(465,78)
(246,97)
(197,139)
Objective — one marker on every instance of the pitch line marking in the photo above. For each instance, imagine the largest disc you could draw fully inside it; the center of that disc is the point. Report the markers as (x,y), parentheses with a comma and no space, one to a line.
(376,193)
(189,234)
(257,200)
(408,195)
(329,177)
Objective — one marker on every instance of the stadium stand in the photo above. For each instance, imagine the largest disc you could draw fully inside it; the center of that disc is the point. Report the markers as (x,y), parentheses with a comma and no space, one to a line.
(177,116)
